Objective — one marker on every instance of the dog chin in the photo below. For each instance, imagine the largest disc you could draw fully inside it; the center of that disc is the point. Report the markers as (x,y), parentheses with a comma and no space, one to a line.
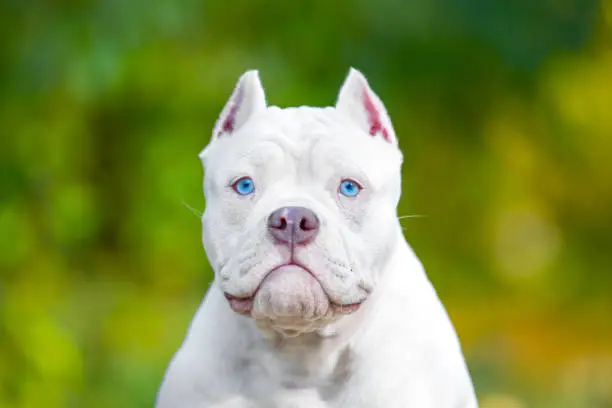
(291,295)
(291,301)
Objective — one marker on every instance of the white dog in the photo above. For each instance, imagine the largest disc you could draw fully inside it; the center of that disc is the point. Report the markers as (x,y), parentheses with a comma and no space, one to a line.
(318,300)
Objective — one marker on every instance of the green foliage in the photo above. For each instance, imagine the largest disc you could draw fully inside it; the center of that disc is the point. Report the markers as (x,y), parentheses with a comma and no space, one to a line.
(503,112)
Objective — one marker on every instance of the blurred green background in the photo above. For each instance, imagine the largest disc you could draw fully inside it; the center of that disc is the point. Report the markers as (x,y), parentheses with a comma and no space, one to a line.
(503,110)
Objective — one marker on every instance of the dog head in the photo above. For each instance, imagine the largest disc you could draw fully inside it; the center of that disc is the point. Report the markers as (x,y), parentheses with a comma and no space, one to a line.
(300,214)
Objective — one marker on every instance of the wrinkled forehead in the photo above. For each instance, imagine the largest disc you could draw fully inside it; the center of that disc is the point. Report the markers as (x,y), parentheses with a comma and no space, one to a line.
(320,136)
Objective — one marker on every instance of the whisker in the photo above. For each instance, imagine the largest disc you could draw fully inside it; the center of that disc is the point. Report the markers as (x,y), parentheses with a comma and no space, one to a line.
(193,210)
(411,216)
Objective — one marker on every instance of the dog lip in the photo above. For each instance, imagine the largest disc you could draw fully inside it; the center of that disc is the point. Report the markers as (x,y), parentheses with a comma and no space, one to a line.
(230,297)
(291,263)
(341,308)
(347,308)
(240,305)
(244,304)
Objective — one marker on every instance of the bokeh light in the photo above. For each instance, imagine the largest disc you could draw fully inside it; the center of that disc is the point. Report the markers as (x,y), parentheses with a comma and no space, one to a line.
(503,111)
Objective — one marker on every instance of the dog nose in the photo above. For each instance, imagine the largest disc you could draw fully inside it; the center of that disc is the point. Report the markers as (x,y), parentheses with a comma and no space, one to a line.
(293,225)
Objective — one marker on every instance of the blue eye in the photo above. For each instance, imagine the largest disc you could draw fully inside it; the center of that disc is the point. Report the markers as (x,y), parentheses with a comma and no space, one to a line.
(244,186)
(349,188)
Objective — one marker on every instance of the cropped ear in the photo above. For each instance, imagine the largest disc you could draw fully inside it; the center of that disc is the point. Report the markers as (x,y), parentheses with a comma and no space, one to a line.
(248,98)
(359,103)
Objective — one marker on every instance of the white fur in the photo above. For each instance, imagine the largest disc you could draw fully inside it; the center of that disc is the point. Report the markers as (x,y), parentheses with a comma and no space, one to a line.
(398,350)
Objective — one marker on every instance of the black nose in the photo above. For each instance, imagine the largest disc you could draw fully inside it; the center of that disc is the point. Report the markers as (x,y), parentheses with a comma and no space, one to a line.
(293,225)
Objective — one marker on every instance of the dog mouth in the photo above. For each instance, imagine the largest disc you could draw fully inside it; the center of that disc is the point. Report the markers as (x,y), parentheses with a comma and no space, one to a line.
(244,305)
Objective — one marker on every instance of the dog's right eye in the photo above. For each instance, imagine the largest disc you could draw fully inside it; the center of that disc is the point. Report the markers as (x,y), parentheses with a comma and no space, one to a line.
(244,186)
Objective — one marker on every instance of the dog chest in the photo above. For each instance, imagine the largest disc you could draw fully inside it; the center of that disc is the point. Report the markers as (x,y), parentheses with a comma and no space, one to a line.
(293,372)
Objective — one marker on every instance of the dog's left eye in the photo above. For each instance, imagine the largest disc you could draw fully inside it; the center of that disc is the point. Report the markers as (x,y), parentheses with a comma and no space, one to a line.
(244,186)
(349,188)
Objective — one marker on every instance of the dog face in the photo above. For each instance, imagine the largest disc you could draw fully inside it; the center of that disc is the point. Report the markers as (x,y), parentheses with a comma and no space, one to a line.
(301,204)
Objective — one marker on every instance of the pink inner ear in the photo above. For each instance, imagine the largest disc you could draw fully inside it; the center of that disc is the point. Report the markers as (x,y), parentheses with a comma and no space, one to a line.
(230,119)
(374,117)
